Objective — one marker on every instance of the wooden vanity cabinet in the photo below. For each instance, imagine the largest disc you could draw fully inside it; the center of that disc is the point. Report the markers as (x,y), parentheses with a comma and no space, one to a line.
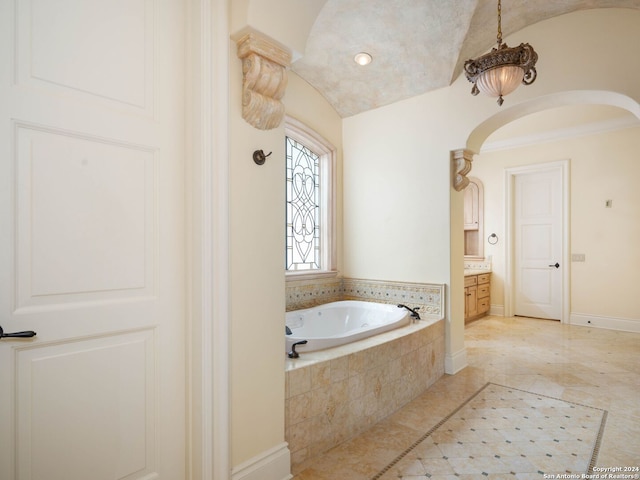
(477,301)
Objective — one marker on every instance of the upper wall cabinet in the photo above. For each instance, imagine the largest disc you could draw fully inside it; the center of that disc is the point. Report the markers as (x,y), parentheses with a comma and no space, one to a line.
(471,206)
(473,219)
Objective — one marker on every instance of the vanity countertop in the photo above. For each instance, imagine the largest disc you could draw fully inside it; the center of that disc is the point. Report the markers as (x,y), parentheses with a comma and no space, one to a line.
(475,271)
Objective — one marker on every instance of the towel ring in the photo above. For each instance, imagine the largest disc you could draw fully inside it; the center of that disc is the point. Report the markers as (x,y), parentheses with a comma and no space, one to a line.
(493,239)
(259,157)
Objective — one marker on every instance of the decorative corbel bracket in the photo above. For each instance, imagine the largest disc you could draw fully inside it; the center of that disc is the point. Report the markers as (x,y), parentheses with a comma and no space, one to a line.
(264,71)
(461,160)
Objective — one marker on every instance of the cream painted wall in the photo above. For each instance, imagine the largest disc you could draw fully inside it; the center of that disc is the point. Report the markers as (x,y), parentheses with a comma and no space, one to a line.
(256,198)
(603,166)
(396,205)
(257,228)
(397,202)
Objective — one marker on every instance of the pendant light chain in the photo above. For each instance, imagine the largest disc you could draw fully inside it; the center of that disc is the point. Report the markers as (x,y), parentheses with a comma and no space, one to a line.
(499,23)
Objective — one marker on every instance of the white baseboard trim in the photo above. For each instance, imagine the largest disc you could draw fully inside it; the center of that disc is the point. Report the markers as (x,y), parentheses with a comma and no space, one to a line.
(453,363)
(497,310)
(274,464)
(611,323)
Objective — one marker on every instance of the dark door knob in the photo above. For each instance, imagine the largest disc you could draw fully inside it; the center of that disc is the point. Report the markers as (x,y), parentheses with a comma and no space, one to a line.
(557,265)
(27,334)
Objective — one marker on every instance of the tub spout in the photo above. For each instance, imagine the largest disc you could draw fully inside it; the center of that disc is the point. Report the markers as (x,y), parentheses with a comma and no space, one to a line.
(414,311)
(293,353)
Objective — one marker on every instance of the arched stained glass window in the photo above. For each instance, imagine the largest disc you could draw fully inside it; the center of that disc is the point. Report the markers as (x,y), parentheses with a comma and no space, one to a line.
(310,202)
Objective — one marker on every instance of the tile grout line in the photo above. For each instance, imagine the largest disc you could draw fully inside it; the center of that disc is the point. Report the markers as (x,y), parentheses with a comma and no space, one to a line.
(596,447)
(429,432)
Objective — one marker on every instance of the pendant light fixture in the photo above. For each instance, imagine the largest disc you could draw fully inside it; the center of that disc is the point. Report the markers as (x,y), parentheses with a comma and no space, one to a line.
(500,71)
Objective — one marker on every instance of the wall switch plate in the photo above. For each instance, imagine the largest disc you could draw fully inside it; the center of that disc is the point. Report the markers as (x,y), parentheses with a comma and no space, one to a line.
(608,203)
(577,257)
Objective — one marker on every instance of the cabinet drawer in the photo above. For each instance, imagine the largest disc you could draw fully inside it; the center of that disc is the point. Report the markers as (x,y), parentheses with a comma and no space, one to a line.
(483,305)
(484,278)
(483,290)
(471,280)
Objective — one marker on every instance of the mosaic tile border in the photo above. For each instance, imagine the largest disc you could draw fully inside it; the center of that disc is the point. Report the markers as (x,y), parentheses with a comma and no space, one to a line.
(431,431)
(429,297)
(478,265)
(305,294)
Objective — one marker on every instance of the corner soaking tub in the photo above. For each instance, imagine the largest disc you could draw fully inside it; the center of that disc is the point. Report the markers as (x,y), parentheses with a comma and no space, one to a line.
(337,323)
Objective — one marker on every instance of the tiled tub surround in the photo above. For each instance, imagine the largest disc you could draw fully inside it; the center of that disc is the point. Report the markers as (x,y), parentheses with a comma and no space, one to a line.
(334,394)
(428,296)
(337,393)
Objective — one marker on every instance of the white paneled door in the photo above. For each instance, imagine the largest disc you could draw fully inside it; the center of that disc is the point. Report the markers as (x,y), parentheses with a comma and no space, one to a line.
(538,231)
(92,239)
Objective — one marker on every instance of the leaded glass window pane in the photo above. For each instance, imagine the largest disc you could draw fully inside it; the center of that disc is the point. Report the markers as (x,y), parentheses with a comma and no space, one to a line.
(303,207)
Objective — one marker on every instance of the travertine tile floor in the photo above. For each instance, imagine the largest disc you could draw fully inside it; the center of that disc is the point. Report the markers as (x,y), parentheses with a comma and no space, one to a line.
(587,366)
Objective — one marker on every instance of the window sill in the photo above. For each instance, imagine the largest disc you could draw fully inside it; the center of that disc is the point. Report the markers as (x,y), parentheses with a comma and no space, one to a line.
(315,275)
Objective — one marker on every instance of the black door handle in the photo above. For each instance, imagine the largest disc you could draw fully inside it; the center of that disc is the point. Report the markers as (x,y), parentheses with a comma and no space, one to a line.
(557,265)
(26,334)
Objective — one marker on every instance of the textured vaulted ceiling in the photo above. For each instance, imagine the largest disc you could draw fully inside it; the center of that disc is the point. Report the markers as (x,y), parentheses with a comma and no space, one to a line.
(417,45)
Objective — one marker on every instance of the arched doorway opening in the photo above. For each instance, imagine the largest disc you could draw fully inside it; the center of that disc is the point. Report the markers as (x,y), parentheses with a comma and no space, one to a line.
(479,141)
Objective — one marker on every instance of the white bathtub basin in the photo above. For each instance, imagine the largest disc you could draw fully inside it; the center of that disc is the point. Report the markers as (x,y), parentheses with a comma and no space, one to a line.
(337,323)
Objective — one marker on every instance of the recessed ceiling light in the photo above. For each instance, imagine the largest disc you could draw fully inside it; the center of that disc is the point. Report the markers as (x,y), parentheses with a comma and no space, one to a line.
(362,58)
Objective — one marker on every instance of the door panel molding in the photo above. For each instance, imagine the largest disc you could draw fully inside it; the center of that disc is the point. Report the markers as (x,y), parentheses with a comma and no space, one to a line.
(96,200)
(52,380)
(509,286)
(88,62)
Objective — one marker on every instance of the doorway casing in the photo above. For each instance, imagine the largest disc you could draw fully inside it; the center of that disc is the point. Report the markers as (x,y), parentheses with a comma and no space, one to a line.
(208,395)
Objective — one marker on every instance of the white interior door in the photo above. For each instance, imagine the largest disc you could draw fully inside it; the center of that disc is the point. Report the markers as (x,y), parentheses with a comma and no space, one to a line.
(91,239)
(538,227)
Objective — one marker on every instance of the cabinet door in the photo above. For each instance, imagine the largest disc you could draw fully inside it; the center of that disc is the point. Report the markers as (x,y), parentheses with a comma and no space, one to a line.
(471,207)
(471,301)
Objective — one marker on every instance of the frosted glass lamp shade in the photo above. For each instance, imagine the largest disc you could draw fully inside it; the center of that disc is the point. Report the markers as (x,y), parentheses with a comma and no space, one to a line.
(500,81)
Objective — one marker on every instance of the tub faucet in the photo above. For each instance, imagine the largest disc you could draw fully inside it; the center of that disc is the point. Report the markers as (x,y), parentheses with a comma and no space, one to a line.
(293,353)
(414,311)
